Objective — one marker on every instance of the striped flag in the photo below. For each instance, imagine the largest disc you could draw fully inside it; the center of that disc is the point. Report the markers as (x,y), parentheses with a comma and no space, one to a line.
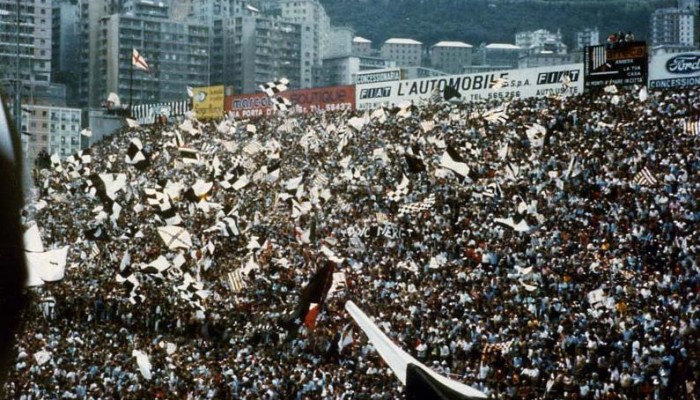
(253,147)
(189,156)
(94,251)
(644,178)
(320,180)
(237,281)
(139,62)
(691,127)
(598,57)
(209,148)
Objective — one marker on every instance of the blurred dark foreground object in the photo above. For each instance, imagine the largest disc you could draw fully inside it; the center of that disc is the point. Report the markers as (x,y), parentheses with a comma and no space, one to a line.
(13,274)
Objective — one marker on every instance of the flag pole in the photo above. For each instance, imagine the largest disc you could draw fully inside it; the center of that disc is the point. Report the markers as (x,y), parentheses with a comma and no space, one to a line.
(131,83)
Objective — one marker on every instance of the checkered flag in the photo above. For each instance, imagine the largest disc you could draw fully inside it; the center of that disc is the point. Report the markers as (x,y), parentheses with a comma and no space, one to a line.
(400,192)
(236,179)
(502,347)
(417,207)
(281,104)
(244,162)
(273,88)
(644,178)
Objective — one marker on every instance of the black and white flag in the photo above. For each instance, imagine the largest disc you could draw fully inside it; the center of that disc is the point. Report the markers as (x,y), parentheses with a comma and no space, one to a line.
(281,104)
(491,191)
(169,213)
(156,267)
(414,163)
(401,190)
(136,156)
(691,127)
(417,207)
(189,156)
(236,179)
(208,148)
(320,180)
(645,178)
(273,88)
(453,161)
(502,347)
(536,134)
(237,280)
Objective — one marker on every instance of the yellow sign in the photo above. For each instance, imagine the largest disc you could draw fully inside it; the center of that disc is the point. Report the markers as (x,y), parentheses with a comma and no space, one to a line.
(208,102)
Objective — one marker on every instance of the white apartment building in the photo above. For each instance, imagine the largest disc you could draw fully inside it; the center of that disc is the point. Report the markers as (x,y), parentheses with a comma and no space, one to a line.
(539,41)
(361,46)
(316,26)
(55,130)
(450,57)
(406,52)
(587,37)
(672,26)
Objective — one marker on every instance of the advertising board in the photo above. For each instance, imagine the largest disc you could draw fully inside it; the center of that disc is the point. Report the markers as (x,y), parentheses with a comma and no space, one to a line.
(674,70)
(515,84)
(331,98)
(148,113)
(625,65)
(208,101)
(378,75)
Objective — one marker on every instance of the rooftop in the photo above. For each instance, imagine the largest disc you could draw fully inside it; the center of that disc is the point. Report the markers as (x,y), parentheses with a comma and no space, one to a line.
(360,39)
(402,41)
(502,46)
(452,44)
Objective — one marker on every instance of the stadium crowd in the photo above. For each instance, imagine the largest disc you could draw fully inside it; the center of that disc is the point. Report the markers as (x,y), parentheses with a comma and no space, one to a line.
(595,298)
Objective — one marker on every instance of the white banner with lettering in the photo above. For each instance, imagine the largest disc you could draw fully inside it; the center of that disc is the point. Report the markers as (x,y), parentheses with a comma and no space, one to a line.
(674,70)
(510,84)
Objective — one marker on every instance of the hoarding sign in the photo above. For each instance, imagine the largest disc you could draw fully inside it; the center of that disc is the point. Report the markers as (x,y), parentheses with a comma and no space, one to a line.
(517,83)
(626,64)
(147,113)
(248,105)
(330,98)
(380,75)
(208,101)
(674,70)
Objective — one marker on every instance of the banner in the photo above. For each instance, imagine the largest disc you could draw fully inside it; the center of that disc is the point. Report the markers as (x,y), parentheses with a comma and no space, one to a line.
(517,83)
(331,98)
(146,114)
(674,70)
(208,102)
(387,231)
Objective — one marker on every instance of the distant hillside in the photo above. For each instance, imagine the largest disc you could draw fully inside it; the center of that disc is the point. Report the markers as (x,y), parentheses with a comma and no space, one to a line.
(484,21)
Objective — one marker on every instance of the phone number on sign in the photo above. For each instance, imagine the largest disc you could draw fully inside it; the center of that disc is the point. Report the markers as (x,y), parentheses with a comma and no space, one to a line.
(333,107)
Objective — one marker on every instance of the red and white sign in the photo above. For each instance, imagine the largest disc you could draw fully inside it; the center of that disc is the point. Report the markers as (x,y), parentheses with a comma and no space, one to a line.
(331,98)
